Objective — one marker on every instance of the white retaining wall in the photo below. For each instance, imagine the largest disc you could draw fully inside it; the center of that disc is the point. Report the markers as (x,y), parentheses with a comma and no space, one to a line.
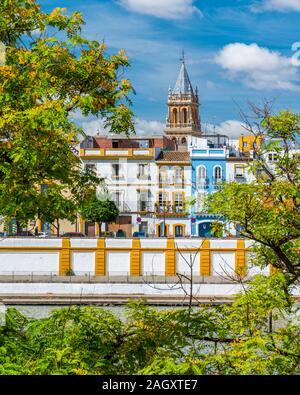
(42,256)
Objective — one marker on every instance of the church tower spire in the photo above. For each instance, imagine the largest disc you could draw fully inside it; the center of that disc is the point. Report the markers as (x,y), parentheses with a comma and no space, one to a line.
(183,109)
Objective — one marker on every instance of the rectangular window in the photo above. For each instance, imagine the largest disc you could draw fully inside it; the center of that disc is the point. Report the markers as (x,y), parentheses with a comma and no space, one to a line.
(144,203)
(116,170)
(178,176)
(143,171)
(273,157)
(116,197)
(239,171)
(163,177)
(178,202)
(162,201)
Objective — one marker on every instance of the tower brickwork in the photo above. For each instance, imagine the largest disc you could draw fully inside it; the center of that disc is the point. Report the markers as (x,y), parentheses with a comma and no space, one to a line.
(183,110)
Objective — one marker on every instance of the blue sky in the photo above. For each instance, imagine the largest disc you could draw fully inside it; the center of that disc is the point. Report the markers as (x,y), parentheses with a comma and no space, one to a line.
(236,52)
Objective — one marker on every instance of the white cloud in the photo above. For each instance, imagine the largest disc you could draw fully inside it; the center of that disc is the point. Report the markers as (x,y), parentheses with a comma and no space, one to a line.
(277,5)
(93,126)
(166,9)
(231,128)
(149,128)
(258,67)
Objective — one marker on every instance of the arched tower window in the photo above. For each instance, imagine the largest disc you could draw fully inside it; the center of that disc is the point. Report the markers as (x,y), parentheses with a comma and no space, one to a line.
(184,115)
(174,116)
(183,140)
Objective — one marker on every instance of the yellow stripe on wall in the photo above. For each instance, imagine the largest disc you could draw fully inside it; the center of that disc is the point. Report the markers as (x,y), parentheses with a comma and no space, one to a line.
(170,260)
(205,260)
(135,258)
(240,258)
(100,258)
(65,257)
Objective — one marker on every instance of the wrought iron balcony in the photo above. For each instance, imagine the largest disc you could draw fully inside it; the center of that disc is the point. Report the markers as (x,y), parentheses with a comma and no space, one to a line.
(218,182)
(145,207)
(167,209)
(202,183)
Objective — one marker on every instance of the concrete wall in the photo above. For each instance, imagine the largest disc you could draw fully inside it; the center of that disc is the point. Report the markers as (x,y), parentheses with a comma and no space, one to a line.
(131,257)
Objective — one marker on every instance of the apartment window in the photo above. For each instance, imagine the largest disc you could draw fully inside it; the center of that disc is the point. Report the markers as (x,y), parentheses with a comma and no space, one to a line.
(162,200)
(144,200)
(201,173)
(178,175)
(272,157)
(178,202)
(116,170)
(218,173)
(239,171)
(201,176)
(116,197)
(163,176)
(245,144)
(143,170)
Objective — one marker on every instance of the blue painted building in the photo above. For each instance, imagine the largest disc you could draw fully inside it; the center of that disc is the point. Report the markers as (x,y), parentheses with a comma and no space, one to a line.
(208,174)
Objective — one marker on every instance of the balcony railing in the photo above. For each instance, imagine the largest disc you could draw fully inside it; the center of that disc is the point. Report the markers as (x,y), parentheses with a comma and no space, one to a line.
(163,181)
(179,125)
(145,207)
(239,178)
(144,176)
(169,209)
(202,183)
(166,181)
(123,207)
(218,182)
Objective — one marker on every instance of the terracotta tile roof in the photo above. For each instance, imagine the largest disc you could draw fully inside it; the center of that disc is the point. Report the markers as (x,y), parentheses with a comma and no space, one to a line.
(174,156)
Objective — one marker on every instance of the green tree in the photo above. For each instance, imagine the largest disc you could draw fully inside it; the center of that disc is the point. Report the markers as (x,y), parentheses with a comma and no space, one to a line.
(98,210)
(51,71)
(57,204)
(268,209)
(258,333)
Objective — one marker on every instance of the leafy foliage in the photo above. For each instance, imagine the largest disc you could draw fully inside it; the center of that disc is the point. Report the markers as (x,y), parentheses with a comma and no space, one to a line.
(51,72)
(99,210)
(257,334)
(268,209)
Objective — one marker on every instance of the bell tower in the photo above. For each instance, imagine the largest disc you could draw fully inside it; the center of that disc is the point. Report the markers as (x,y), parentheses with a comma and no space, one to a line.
(183,110)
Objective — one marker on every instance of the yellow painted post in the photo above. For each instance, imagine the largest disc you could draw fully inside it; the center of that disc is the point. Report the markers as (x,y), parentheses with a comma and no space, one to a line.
(81,225)
(135,258)
(240,258)
(65,257)
(170,260)
(130,152)
(97,229)
(100,258)
(205,261)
